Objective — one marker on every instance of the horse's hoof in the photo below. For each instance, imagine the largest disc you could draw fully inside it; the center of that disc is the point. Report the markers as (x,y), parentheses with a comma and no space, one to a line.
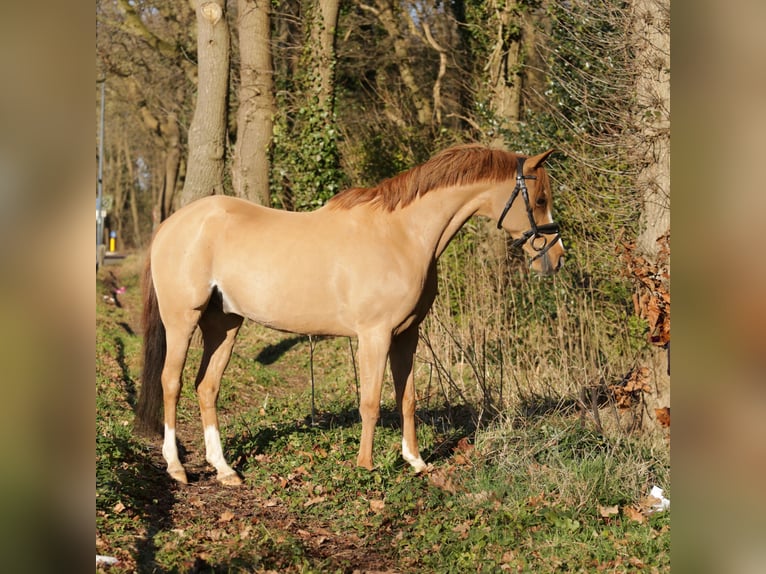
(179,476)
(419,467)
(364,463)
(231,479)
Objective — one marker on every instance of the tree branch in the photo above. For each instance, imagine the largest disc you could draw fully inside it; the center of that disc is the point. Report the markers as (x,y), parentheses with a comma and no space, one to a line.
(442,70)
(135,26)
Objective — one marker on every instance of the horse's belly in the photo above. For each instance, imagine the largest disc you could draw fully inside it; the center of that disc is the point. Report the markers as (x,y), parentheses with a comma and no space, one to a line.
(289,310)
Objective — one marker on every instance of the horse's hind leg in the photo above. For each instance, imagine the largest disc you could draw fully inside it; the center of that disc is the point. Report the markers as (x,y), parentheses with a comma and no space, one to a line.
(402,355)
(219,330)
(178,333)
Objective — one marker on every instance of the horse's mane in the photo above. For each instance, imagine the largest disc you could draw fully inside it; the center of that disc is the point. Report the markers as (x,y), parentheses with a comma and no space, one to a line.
(458,165)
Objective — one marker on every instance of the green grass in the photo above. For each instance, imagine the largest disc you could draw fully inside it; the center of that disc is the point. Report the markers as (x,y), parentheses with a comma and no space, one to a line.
(519,494)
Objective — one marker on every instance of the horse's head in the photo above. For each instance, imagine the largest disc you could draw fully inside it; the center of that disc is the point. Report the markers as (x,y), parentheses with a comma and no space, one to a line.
(524,211)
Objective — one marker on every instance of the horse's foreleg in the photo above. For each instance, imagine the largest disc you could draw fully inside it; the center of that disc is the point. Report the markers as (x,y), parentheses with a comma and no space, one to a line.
(402,356)
(177,346)
(219,331)
(373,351)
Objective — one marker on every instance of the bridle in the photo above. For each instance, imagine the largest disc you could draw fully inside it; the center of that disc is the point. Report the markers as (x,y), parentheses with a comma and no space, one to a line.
(535,233)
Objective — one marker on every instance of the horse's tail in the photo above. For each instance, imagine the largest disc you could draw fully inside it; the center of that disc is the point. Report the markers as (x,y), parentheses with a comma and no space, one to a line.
(148,419)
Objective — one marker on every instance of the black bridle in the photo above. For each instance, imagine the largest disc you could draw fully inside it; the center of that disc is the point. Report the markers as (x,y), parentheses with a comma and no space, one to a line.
(535,233)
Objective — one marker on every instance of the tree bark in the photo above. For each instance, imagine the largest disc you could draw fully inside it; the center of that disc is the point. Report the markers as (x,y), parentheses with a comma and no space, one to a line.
(323,30)
(207,132)
(172,162)
(437,88)
(255,116)
(136,228)
(504,76)
(652,18)
(652,119)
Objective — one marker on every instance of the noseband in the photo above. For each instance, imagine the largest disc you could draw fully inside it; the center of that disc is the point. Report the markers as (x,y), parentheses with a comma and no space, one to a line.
(535,233)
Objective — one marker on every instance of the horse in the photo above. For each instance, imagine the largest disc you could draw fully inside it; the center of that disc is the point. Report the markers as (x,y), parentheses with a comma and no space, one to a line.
(363,265)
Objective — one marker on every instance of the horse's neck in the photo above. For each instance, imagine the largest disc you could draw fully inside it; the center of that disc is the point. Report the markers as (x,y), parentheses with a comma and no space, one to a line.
(435,218)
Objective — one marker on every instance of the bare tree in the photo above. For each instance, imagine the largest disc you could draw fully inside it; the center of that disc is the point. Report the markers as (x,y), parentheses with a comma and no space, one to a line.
(142,47)
(387,12)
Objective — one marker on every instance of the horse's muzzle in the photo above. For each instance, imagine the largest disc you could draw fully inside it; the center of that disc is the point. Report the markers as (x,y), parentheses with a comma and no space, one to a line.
(546,266)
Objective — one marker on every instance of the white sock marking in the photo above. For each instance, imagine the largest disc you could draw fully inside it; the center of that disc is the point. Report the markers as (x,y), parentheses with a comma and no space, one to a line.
(214,452)
(169,447)
(415,461)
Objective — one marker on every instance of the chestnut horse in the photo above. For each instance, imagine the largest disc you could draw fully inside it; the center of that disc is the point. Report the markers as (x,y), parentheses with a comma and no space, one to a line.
(363,265)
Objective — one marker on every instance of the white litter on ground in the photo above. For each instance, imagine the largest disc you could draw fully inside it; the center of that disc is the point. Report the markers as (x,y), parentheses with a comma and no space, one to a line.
(662,502)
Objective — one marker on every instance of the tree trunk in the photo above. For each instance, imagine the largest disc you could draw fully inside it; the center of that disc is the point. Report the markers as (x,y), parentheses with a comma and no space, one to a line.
(133,201)
(504,74)
(652,19)
(255,117)
(172,162)
(652,118)
(207,133)
(323,28)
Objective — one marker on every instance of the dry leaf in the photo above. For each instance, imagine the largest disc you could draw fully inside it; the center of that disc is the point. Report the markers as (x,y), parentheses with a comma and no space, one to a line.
(462,530)
(226,516)
(377,506)
(440,479)
(607,511)
(463,446)
(663,416)
(215,534)
(117,508)
(634,514)
(313,501)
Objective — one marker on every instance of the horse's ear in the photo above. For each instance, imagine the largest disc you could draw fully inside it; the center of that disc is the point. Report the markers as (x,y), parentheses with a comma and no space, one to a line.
(537,160)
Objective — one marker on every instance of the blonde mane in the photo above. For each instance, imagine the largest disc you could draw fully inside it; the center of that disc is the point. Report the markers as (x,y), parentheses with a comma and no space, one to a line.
(459,165)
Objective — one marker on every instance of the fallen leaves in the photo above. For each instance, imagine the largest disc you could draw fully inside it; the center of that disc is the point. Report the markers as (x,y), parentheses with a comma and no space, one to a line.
(608,511)
(377,506)
(652,298)
(627,392)
(634,513)
(314,500)
(441,478)
(663,416)
(226,516)
(464,452)
(638,511)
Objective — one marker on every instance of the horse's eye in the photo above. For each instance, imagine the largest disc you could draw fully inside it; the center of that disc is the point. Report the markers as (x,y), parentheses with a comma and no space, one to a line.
(540,201)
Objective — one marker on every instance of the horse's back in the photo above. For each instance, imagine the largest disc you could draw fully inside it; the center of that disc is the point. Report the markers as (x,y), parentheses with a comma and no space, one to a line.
(326,271)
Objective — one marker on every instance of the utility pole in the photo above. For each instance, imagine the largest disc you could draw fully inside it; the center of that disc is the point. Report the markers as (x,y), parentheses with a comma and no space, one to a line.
(100,248)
